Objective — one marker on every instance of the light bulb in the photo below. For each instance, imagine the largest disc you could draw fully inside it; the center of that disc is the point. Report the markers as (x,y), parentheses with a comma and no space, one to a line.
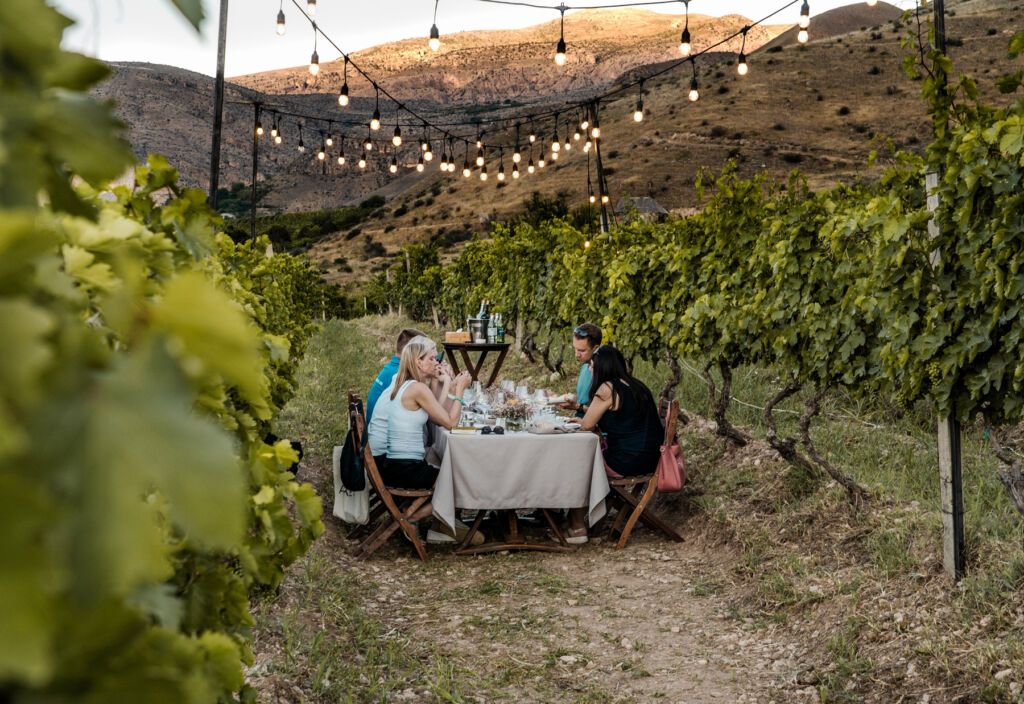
(259,128)
(568,144)
(435,39)
(273,131)
(343,95)
(516,157)
(596,132)
(684,42)
(802,36)
(362,161)
(428,155)
(479,143)
(277,138)
(586,244)
(560,52)
(872,3)
(311,8)
(483,172)
(587,145)
(554,156)
(694,95)
(515,173)
(576,135)
(393,168)
(741,67)
(280,23)
(530,168)
(501,173)
(555,145)
(368,145)
(330,141)
(638,114)
(479,157)
(419,165)
(593,199)
(375,120)
(341,160)
(314,63)
(302,147)
(321,155)
(397,139)
(533,138)
(466,172)
(541,163)
(604,198)
(805,15)
(585,125)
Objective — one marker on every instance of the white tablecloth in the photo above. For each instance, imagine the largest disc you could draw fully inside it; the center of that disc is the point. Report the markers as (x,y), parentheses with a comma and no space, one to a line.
(521,470)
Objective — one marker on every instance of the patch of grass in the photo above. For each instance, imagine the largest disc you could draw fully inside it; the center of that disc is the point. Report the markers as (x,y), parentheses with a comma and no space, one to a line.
(838,684)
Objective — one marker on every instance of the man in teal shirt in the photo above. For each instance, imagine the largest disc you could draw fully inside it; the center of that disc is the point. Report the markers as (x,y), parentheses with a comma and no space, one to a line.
(585,339)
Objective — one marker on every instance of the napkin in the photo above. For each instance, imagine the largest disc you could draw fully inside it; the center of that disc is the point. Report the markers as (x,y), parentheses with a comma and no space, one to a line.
(551,428)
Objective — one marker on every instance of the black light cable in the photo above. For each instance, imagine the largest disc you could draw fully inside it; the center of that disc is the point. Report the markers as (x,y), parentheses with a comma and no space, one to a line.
(435,37)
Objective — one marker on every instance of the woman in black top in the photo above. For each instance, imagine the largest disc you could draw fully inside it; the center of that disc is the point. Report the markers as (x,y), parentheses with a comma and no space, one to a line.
(623,408)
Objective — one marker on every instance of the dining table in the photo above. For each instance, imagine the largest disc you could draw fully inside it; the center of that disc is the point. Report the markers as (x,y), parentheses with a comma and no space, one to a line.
(507,473)
(481,349)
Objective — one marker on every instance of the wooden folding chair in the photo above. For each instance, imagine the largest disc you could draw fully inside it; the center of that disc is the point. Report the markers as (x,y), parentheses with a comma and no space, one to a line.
(376,506)
(403,505)
(634,493)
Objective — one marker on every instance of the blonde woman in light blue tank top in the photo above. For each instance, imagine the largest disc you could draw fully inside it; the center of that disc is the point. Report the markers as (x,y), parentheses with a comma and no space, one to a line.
(412,404)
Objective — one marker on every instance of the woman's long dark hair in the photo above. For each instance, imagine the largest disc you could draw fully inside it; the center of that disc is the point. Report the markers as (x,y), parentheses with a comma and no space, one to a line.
(610,365)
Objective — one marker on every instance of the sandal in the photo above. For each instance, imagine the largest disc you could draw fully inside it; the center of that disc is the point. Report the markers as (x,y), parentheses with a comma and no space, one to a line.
(576,536)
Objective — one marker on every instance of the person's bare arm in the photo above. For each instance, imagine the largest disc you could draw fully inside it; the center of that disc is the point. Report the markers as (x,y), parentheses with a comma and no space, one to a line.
(601,403)
(424,398)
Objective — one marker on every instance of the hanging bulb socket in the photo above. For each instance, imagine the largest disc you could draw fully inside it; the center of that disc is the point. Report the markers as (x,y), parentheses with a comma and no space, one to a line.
(397,139)
(560,53)
(638,113)
(435,38)
(311,8)
(805,15)
(741,67)
(466,171)
(280,23)
(483,172)
(393,167)
(604,198)
(362,161)
(480,157)
(314,63)
(343,95)
(375,120)
(341,160)
(259,128)
(694,94)
(541,163)
(428,154)
(685,47)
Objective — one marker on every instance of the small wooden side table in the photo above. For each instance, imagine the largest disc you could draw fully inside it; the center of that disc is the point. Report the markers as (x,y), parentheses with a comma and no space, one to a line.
(464,348)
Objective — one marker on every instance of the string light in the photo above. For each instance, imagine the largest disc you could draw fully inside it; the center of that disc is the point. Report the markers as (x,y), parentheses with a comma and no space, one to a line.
(311,8)
(741,66)
(435,37)
(397,139)
(604,199)
(684,41)
(341,151)
(330,137)
(322,154)
(375,120)
(638,113)
(501,164)
(540,161)
(483,172)
(419,164)
(479,156)
(314,60)
(302,147)
(555,144)
(595,131)
(465,165)
(515,172)
(587,145)
(428,154)
(280,20)
(343,94)
(278,138)
(273,128)
(362,161)
(516,156)
(533,132)
(560,48)
(393,167)
(590,186)
(568,141)
(259,128)
(479,138)
(805,22)
(368,144)
(529,165)
(586,243)
(694,94)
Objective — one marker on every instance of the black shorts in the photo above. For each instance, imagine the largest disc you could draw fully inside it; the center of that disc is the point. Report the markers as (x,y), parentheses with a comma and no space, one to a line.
(408,474)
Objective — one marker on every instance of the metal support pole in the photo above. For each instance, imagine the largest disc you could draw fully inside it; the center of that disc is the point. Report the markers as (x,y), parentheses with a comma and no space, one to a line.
(255,164)
(218,105)
(602,185)
(951,487)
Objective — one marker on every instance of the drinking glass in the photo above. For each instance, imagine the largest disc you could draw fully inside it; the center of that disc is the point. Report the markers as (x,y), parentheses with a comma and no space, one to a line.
(522,391)
(508,385)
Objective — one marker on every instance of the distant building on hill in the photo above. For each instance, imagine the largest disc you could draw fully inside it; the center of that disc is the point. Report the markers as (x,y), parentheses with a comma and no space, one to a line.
(647,208)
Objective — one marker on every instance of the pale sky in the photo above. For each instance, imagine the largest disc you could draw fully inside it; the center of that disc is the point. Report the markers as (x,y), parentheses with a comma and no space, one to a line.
(152,31)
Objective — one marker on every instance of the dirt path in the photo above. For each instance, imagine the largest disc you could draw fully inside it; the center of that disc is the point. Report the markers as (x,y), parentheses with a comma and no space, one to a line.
(648,623)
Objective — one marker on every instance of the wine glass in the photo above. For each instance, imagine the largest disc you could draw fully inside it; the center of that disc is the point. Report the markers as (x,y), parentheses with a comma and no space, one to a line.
(523,391)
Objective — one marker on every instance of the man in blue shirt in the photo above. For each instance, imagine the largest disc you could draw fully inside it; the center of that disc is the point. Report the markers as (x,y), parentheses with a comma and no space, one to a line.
(585,339)
(383,379)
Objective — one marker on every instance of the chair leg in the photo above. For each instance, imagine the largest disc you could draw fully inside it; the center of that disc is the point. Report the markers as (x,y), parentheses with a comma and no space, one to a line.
(410,531)
(620,517)
(635,515)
